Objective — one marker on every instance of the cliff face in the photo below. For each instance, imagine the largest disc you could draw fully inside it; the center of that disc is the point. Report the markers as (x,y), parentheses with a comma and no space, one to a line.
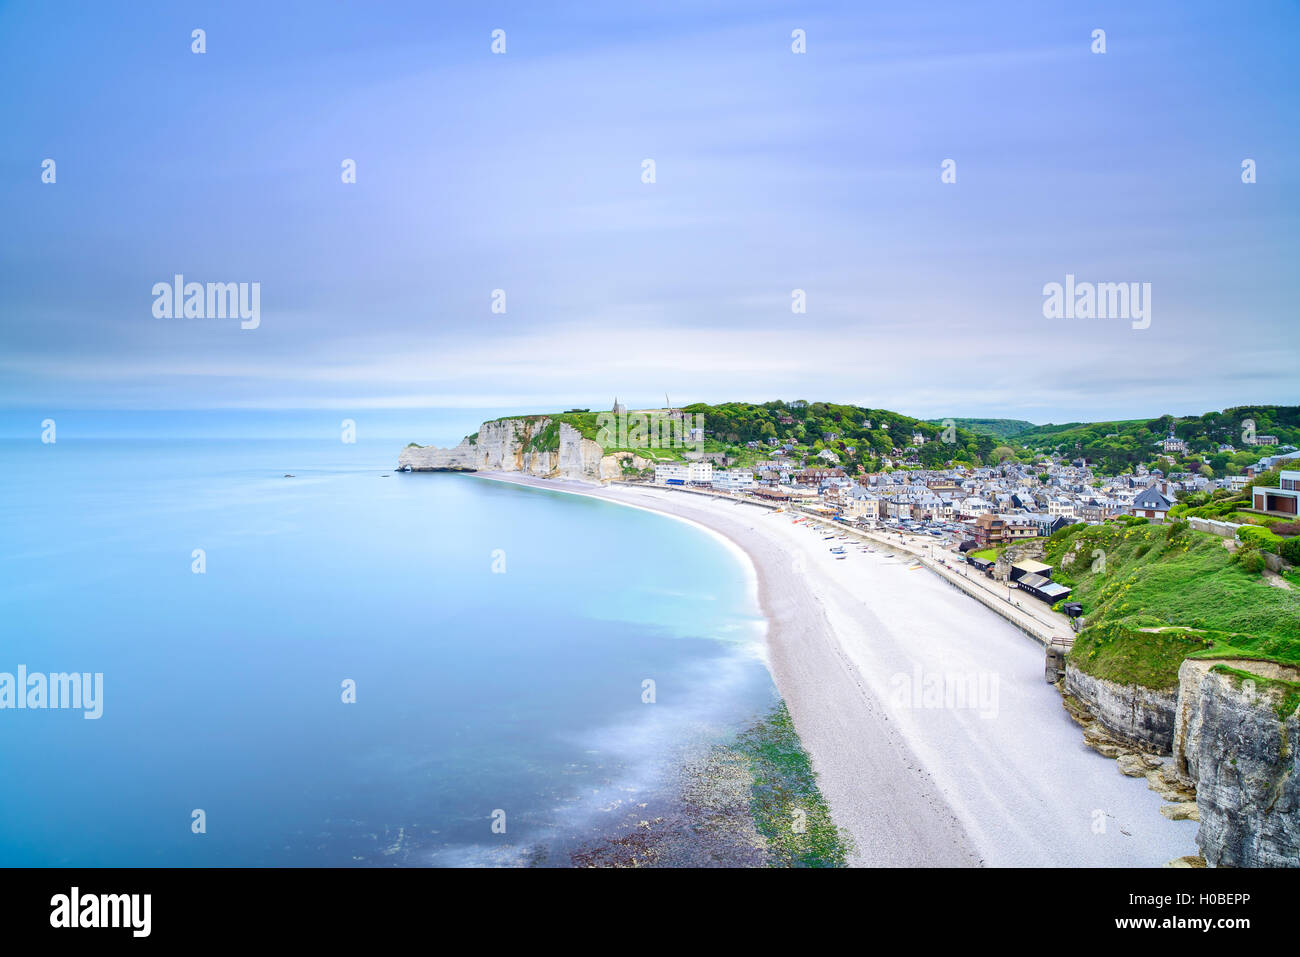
(518,445)
(1140,715)
(1228,743)
(1231,744)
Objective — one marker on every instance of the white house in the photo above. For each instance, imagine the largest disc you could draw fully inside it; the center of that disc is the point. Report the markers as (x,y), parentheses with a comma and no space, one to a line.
(1151,504)
(1061,507)
(733,480)
(859,503)
(1284,499)
(672,474)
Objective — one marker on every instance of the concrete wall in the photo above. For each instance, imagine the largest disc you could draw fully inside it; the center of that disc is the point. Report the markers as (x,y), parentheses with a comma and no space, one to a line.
(1222,529)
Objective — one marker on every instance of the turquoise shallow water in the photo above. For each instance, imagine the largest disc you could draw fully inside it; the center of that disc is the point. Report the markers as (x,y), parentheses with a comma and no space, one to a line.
(476,691)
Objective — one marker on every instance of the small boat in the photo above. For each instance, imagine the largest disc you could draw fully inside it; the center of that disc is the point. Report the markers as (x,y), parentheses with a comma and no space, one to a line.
(840,558)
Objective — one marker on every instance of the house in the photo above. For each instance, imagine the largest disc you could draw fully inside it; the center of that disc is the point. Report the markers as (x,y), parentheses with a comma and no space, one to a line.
(817,476)
(860,503)
(1095,511)
(1061,507)
(973,507)
(943,486)
(1043,588)
(733,480)
(1150,504)
(701,473)
(676,473)
(1047,525)
(1027,566)
(991,529)
(1282,500)
(672,474)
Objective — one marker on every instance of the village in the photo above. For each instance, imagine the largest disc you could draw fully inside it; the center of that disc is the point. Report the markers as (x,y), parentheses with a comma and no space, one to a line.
(979,511)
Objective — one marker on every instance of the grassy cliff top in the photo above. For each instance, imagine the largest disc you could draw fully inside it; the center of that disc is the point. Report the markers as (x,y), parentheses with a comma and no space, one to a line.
(1156,594)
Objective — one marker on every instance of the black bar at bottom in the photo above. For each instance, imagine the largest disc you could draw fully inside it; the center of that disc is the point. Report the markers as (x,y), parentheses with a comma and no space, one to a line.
(334,906)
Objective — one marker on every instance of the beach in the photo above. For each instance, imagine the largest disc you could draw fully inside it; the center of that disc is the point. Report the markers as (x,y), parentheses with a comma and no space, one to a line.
(935,739)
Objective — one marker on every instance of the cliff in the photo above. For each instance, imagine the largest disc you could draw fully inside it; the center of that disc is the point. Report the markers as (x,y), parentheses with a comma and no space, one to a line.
(535,445)
(1141,716)
(1232,728)
(1235,739)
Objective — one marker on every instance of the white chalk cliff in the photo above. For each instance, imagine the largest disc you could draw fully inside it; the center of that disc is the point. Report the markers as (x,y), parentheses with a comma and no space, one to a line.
(535,445)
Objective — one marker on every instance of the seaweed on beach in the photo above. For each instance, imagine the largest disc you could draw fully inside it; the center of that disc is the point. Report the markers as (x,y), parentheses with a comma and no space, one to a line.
(787,805)
(752,802)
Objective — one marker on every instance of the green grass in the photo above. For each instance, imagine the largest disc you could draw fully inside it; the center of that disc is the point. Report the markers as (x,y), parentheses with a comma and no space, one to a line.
(1188,583)
(1127,656)
(989,554)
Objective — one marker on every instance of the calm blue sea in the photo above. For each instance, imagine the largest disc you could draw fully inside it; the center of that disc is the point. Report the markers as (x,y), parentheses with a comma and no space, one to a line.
(476,691)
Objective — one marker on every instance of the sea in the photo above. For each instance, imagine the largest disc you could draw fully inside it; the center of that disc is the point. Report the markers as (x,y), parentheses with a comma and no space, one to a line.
(309,658)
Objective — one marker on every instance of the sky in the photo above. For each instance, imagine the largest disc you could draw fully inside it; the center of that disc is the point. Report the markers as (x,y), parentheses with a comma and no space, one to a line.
(522,171)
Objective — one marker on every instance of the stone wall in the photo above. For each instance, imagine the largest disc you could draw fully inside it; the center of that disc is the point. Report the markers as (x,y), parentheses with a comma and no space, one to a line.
(1035,550)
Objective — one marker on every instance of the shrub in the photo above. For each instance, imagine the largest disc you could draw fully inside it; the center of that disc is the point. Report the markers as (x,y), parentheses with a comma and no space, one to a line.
(1290,550)
(1063,533)
(1257,537)
(1252,561)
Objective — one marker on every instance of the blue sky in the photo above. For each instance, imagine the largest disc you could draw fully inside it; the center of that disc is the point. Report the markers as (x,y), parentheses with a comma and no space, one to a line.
(775,171)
